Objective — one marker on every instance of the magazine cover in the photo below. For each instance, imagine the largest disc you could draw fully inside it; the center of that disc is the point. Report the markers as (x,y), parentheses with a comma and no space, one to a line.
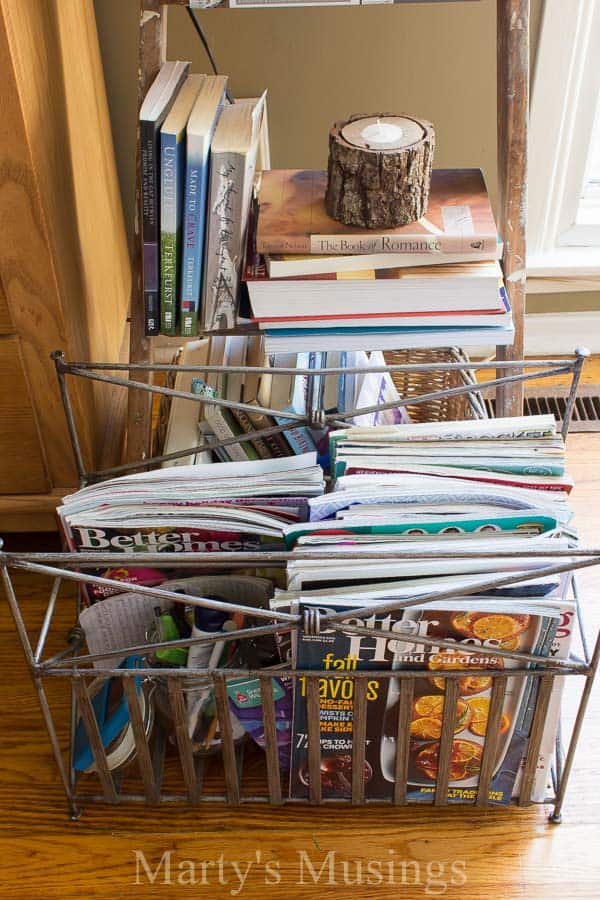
(491,622)
(167,539)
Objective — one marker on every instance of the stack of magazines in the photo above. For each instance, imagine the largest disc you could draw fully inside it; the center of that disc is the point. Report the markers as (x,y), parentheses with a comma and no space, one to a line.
(458,510)
(191,509)
(433,493)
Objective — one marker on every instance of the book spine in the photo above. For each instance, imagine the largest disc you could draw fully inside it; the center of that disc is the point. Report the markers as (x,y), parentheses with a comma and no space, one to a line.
(221,428)
(194,226)
(332,244)
(259,444)
(223,431)
(247,446)
(171,150)
(276,443)
(298,437)
(150,215)
(224,241)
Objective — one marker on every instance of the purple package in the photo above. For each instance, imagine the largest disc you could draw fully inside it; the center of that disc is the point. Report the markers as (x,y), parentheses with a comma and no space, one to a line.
(245,702)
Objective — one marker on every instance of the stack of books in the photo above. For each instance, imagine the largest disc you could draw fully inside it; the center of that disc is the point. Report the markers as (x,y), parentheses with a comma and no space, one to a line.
(189,425)
(192,424)
(316,284)
(502,490)
(199,154)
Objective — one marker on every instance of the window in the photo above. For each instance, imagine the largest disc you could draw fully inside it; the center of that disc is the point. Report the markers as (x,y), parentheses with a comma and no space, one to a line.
(564,144)
(585,230)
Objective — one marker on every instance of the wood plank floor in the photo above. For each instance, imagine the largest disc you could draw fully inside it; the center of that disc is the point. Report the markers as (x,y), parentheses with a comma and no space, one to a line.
(262,852)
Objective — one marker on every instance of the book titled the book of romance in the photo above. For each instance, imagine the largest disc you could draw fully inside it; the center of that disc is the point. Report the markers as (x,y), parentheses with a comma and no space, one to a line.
(517,623)
(293,218)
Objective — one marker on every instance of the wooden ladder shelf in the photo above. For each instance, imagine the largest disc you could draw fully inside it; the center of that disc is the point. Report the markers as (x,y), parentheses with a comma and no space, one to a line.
(512,99)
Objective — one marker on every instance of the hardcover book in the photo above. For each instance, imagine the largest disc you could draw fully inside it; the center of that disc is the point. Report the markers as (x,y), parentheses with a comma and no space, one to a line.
(282,265)
(293,218)
(157,103)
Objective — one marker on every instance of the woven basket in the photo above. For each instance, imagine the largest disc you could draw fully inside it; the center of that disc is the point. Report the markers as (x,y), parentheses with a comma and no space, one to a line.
(412,384)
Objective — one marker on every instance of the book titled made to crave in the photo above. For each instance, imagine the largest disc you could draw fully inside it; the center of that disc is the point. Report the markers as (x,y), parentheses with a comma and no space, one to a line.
(293,219)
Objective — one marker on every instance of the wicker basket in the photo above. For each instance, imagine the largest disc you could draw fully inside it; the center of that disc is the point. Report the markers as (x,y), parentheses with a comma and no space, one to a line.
(412,384)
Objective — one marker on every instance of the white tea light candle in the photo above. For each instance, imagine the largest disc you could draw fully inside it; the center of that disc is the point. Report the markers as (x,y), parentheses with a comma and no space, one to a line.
(382,136)
(382,132)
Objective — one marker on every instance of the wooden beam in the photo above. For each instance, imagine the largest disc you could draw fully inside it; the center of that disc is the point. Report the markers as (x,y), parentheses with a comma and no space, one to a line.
(513,102)
(152,39)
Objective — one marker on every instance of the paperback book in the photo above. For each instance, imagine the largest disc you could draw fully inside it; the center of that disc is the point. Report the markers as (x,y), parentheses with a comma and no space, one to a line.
(200,129)
(157,103)
(172,164)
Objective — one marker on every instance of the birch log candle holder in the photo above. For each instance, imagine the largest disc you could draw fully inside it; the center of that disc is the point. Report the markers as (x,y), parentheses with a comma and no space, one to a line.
(379,170)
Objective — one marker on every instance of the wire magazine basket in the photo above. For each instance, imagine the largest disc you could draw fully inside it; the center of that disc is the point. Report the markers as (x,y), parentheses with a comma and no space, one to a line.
(167,766)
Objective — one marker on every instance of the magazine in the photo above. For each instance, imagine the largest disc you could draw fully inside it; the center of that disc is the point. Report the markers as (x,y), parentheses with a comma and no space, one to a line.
(518,623)
(231,507)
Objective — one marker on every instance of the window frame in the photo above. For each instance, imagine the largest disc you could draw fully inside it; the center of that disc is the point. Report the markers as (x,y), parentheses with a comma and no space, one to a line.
(564,103)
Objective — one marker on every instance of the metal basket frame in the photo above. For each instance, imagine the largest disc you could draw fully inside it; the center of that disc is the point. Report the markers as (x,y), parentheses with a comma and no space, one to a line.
(516,371)
(80,671)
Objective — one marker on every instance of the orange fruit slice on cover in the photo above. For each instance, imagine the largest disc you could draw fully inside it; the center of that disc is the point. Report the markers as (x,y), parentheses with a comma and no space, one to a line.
(426,728)
(431,707)
(488,626)
(465,761)
(480,709)
(501,627)
(462,622)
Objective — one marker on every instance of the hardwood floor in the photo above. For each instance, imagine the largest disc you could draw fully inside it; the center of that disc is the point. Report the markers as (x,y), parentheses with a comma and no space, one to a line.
(258,851)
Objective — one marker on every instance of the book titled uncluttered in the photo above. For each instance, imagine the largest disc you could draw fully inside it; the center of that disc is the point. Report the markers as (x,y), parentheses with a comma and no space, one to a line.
(293,218)
(172,166)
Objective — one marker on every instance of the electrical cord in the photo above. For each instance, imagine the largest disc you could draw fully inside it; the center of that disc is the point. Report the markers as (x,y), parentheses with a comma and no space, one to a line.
(200,32)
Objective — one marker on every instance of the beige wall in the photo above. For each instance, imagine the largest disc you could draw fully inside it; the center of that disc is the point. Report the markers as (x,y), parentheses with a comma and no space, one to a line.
(433,60)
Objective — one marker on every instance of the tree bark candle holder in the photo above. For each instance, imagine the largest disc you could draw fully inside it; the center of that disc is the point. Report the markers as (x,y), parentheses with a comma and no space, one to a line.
(379,170)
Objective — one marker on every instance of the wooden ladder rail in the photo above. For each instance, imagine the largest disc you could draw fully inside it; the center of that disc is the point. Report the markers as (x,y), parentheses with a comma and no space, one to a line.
(513,108)
(512,112)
